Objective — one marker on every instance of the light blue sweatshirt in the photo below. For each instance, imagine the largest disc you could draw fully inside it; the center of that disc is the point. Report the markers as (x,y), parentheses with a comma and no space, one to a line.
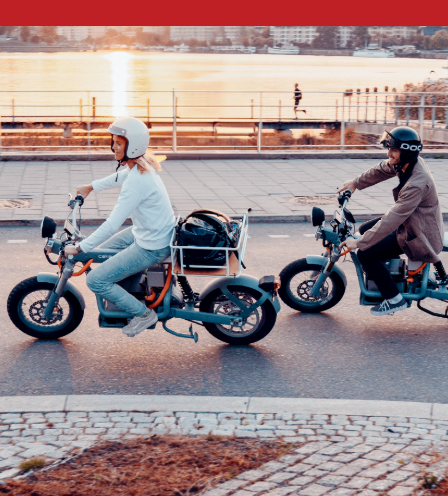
(144,199)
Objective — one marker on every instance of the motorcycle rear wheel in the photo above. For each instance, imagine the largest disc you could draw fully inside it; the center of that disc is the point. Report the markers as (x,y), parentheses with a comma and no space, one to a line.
(26,303)
(297,279)
(258,325)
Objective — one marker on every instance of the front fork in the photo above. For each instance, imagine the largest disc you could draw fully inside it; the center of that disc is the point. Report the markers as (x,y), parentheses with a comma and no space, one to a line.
(59,288)
(325,272)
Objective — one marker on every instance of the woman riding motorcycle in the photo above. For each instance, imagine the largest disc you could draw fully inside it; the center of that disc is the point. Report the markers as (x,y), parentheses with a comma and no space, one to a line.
(144,199)
(413,226)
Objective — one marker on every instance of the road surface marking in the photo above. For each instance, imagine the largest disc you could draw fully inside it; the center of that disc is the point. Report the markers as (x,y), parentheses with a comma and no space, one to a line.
(17,241)
(309,235)
(278,235)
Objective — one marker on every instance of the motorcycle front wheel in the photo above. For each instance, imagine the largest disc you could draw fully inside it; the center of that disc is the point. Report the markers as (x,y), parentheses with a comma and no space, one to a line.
(258,325)
(26,305)
(297,280)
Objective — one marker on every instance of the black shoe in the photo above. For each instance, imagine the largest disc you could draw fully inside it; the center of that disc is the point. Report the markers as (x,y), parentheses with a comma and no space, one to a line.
(388,308)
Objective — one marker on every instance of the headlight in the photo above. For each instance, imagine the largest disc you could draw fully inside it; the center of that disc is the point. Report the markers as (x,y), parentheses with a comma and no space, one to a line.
(47,227)
(317,216)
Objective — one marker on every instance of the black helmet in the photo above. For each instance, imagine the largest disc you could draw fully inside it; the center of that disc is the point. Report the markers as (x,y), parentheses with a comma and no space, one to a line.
(405,139)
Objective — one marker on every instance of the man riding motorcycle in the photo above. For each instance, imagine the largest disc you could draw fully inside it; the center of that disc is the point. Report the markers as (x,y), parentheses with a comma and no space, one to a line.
(413,226)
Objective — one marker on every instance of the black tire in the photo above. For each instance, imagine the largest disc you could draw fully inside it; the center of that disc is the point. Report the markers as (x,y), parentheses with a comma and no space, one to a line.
(264,316)
(26,317)
(296,296)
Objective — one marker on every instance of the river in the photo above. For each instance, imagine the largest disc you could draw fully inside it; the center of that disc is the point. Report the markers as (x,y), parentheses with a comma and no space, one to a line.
(121,72)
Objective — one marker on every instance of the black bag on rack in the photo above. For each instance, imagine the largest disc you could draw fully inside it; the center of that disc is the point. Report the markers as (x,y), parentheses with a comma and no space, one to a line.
(207,228)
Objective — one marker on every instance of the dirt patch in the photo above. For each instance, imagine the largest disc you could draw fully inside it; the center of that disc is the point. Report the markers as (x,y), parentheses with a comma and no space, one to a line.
(15,203)
(155,466)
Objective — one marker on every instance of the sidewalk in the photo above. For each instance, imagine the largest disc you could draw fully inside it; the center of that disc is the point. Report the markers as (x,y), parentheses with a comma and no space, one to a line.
(272,188)
(346,447)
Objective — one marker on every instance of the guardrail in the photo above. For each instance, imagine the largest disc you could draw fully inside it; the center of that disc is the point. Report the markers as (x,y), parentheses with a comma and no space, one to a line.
(76,118)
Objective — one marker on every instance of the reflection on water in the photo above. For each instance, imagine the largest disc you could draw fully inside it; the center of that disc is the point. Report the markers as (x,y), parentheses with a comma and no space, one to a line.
(120,71)
(120,74)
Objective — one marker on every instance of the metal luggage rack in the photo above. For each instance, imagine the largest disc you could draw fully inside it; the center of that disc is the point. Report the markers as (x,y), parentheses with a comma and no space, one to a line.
(232,267)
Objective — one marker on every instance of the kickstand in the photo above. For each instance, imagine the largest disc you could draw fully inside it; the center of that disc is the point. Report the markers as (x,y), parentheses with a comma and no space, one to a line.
(192,335)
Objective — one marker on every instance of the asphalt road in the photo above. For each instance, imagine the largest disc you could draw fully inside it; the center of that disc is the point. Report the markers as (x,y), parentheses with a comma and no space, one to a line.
(342,353)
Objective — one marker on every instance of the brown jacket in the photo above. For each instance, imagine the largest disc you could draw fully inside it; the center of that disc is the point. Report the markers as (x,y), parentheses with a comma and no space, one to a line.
(416,215)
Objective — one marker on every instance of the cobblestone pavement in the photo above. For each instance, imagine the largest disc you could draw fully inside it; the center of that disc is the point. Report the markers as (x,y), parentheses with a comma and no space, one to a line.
(266,186)
(339,455)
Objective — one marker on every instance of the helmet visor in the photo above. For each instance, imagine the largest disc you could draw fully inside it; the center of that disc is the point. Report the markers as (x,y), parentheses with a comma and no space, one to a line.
(388,141)
(119,131)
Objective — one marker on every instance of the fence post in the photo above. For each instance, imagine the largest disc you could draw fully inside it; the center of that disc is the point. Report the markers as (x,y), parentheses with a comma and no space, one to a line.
(385,110)
(376,107)
(367,104)
(422,114)
(174,123)
(93,107)
(12,110)
(260,124)
(357,108)
(279,110)
(396,109)
(343,124)
(80,109)
(433,116)
(88,135)
(408,105)
(349,106)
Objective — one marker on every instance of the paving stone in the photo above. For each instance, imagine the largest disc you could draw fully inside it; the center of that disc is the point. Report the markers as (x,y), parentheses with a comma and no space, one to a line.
(354,467)
(357,482)
(290,459)
(341,491)
(231,485)
(282,491)
(12,461)
(332,480)
(381,485)
(314,472)
(330,466)
(299,468)
(260,486)
(399,475)
(242,492)
(401,491)
(273,466)
(301,481)
(346,457)
(252,475)
(314,490)
(281,477)
(378,455)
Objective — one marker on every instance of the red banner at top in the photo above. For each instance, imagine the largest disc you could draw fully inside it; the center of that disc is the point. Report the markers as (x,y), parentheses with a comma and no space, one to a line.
(229,13)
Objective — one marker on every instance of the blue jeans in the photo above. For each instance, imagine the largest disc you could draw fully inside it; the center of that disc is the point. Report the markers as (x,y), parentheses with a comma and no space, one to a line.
(132,259)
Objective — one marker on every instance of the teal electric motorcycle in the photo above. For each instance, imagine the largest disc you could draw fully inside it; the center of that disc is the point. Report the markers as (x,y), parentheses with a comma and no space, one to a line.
(234,308)
(317,283)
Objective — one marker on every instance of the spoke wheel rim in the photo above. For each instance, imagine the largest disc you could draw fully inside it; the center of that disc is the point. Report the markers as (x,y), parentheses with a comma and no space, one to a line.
(300,285)
(223,306)
(32,306)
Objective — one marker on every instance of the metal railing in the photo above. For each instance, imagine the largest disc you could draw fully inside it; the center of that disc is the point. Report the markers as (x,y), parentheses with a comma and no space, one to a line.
(176,116)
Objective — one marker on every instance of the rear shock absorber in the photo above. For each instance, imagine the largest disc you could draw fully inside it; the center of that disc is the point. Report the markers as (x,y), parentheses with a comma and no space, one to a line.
(441,271)
(186,288)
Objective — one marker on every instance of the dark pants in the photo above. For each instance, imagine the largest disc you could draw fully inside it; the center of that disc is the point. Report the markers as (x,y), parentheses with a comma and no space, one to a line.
(372,260)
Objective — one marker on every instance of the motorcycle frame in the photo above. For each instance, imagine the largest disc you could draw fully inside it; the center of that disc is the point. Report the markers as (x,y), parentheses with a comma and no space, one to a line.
(441,293)
(164,310)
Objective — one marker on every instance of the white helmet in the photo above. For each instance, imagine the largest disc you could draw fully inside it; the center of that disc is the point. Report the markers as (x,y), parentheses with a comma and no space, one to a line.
(136,134)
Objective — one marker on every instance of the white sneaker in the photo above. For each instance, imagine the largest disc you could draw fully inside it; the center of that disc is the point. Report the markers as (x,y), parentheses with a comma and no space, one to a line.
(141,322)
(387,308)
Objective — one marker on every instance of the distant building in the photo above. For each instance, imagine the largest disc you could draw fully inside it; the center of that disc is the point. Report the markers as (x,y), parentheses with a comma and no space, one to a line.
(80,33)
(285,35)
(200,33)
(154,29)
(397,31)
(432,30)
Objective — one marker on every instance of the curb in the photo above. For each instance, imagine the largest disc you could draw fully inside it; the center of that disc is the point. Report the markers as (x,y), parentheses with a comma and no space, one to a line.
(329,154)
(208,404)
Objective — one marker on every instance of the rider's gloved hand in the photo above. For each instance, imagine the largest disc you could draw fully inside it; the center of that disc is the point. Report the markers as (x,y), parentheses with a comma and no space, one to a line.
(348,185)
(72,250)
(349,244)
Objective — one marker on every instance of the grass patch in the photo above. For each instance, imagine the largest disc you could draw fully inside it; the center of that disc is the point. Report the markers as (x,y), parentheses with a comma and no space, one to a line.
(31,464)
(156,466)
